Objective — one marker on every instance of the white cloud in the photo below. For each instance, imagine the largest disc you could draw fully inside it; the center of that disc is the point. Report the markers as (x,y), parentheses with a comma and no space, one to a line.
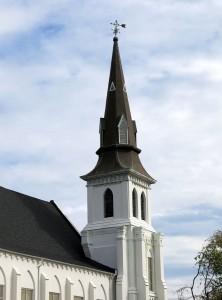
(181,250)
(53,88)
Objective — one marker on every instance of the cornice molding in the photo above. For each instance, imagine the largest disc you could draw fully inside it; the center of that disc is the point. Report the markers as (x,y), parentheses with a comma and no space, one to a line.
(117,178)
(51,263)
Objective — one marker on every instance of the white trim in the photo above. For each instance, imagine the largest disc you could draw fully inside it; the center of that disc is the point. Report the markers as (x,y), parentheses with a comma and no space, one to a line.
(118,222)
(112,87)
(53,262)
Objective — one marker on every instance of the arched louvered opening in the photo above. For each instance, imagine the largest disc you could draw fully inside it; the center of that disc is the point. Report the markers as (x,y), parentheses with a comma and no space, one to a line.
(108,204)
(143,206)
(123,131)
(135,203)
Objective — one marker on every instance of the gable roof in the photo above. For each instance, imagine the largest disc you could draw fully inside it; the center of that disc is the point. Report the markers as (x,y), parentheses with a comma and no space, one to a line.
(38,228)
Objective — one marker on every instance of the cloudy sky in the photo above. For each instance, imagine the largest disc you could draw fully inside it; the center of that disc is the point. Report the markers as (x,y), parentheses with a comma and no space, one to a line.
(54,67)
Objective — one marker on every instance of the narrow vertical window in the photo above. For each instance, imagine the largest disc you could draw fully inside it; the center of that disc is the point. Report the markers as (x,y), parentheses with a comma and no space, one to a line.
(135,203)
(123,131)
(150,272)
(108,204)
(143,207)
(1,291)
(27,294)
(54,296)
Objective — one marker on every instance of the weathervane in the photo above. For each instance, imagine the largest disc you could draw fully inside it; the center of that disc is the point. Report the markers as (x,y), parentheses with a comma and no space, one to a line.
(116,27)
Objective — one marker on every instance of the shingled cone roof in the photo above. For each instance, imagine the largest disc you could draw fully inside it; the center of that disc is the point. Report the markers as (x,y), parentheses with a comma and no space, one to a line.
(117,104)
(114,156)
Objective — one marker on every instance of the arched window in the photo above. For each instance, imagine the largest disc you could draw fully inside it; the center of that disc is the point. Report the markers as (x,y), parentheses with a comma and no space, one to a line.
(143,206)
(135,203)
(108,204)
(123,131)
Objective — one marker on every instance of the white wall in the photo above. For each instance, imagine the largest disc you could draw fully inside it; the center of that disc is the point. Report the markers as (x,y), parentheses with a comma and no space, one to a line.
(123,241)
(122,187)
(20,271)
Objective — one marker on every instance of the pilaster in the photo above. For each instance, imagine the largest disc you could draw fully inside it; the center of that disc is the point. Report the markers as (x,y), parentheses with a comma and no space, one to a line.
(121,281)
(44,287)
(16,287)
(161,288)
(141,276)
(92,288)
(132,290)
(68,289)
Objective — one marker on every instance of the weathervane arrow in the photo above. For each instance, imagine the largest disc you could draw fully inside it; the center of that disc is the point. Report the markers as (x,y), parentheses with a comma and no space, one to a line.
(116,27)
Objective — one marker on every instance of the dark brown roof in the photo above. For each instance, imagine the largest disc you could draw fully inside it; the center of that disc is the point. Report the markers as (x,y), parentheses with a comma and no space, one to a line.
(38,228)
(117,104)
(113,156)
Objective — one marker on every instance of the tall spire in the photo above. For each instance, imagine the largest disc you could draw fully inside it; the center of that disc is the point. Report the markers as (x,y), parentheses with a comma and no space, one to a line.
(117,105)
(118,150)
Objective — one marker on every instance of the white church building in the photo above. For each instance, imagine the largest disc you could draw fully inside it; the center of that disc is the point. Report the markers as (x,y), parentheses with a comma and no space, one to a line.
(118,255)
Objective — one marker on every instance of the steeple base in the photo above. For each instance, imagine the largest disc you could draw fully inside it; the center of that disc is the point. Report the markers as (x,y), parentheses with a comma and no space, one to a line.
(136,254)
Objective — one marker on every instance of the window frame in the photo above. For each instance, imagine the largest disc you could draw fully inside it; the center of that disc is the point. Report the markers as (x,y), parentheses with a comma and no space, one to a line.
(143,206)
(2,288)
(150,273)
(54,294)
(123,131)
(135,203)
(26,296)
(108,203)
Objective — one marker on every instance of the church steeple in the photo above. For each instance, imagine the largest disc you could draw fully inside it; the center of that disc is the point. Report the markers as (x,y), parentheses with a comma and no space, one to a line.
(117,107)
(119,232)
(118,150)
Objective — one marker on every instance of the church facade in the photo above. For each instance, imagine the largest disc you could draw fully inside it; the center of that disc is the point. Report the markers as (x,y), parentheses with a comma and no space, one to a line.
(118,255)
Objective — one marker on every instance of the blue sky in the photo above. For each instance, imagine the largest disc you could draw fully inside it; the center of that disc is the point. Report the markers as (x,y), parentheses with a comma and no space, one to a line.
(54,67)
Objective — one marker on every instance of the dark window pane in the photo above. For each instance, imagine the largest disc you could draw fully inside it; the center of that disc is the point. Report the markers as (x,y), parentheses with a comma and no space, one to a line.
(143,207)
(26,294)
(53,296)
(150,272)
(108,204)
(134,203)
(1,292)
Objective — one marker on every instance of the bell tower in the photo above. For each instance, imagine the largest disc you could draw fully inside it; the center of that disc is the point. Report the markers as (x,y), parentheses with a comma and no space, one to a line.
(119,232)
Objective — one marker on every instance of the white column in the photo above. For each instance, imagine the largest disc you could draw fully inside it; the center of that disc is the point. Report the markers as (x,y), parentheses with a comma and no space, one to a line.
(121,281)
(142,281)
(132,292)
(16,288)
(161,288)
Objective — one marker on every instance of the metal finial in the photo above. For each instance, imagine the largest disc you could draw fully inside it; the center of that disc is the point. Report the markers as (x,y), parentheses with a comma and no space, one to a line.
(116,27)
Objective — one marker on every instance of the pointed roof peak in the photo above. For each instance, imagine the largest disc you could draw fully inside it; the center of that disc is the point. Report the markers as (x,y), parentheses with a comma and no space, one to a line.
(117,104)
(118,150)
